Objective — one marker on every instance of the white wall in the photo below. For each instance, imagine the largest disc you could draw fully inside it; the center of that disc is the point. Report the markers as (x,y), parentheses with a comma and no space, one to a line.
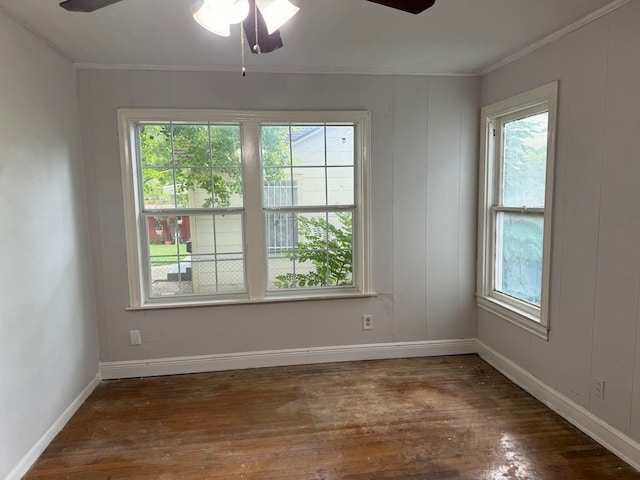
(595,278)
(48,338)
(424,143)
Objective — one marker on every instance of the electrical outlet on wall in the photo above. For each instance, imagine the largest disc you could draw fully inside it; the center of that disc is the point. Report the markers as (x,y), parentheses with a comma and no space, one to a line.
(367,322)
(598,384)
(135,337)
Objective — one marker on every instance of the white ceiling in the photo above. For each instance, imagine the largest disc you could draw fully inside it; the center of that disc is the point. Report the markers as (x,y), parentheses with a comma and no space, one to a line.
(453,37)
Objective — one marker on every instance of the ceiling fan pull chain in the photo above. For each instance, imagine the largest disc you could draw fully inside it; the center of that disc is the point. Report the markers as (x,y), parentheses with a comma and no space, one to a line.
(256,47)
(244,70)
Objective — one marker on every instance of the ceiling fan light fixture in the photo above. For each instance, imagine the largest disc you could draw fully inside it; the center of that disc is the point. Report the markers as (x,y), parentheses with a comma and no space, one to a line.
(211,22)
(276,12)
(218,15)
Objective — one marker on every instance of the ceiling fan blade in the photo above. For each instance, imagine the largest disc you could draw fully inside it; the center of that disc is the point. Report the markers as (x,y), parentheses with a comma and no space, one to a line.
(267,43)
(410,6)
(86,5)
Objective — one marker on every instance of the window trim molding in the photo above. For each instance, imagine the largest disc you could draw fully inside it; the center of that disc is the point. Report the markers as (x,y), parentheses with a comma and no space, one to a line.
(128,118)
(489,170)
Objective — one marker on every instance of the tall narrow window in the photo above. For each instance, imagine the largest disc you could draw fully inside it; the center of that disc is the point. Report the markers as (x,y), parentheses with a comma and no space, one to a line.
(516,186)
(229,206)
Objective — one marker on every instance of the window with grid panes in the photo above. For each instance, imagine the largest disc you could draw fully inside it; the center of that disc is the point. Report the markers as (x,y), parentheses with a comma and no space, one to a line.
(228,206)
(516,187)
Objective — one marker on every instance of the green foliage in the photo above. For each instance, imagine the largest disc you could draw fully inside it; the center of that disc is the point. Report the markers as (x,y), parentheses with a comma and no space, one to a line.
(179,159)
(328,247)
(275,147)
(167,254)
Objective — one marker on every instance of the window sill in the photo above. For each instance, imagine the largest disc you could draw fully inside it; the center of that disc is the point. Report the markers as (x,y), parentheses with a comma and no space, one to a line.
(248,301)
(519,318)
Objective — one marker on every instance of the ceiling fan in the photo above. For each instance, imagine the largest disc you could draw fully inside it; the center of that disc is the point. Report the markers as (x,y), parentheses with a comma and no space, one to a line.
(260,34)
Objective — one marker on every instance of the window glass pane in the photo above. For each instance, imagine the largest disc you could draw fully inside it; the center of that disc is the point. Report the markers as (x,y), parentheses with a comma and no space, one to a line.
(215,274)
(204,273)
(206,188)
(525,160)
(340,149)
(322,254)
(227,187)
(193,186)
(159,188)
(191,145)
(276,146)
(228,230)
(198,254)
(308,145)
(170,277)
(340,186)
(169,258)
(340,246)
(280,227)
(279,187)
(225,145)
(312,185)
(518,268)
(281,233)
(218,254)
(155,145)
(230,273)
(280,193)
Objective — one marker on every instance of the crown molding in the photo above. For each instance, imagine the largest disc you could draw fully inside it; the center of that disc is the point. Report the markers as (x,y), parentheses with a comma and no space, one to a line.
(265,69)
(614,5)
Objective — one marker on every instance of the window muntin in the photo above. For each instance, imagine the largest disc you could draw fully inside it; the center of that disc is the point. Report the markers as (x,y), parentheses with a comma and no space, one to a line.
(195,232)
(516,186)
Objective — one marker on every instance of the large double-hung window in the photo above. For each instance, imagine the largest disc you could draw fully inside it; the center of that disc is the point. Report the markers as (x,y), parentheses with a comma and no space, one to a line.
(230,206)
(516,191)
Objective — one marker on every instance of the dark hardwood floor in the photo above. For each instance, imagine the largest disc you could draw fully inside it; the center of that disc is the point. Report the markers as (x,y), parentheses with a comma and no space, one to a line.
(424,418)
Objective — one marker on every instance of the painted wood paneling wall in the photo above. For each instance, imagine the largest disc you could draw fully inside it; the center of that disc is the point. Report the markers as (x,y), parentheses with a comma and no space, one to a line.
(424,165)
(595,280)
(48,336)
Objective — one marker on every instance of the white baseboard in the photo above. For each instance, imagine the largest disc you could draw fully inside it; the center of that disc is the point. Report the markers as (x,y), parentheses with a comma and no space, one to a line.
(278,358)
(609,437)
(30,458)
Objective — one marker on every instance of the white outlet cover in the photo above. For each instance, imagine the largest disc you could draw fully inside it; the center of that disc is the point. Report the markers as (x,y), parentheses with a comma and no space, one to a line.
(135,337)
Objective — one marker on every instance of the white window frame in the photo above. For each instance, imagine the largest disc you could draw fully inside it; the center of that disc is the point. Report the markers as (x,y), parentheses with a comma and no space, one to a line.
(529,317)
(254,228)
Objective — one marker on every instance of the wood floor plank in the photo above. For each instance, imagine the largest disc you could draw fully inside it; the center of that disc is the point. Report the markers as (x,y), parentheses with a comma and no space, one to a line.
(422,418)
